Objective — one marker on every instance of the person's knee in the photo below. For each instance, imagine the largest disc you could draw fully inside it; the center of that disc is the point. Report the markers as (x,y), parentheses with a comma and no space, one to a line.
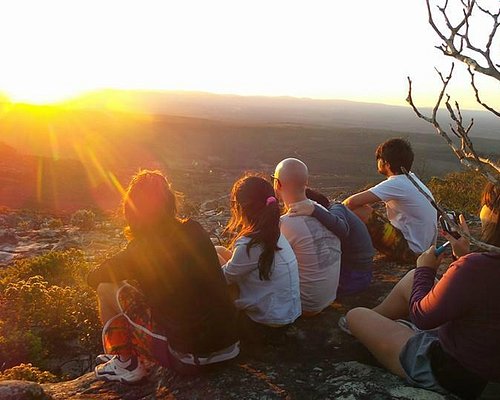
(107,291)
(356,316)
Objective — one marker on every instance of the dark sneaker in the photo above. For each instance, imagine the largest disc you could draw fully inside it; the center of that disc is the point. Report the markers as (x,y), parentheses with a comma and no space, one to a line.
(131,371)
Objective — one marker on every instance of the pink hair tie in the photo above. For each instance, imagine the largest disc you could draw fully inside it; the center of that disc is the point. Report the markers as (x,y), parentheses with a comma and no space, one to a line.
(270,200)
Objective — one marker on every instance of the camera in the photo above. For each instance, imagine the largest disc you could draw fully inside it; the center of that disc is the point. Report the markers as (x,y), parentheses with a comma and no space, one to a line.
(446,227)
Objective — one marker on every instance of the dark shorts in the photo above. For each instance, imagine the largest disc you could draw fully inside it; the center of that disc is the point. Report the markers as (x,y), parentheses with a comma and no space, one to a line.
(388,239)
(428,366)
(416,361)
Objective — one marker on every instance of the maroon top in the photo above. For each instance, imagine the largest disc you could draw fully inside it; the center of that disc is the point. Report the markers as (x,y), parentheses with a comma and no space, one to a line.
(465,306)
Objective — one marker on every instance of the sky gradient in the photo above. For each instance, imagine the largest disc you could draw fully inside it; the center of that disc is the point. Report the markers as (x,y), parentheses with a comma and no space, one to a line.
(356,50)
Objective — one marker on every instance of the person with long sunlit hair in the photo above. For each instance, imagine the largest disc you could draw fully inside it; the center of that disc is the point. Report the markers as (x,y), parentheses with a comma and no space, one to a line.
(458,350)
(262,264)
(176,310)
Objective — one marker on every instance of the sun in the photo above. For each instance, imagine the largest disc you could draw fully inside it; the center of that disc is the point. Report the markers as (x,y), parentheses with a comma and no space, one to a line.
(40,94)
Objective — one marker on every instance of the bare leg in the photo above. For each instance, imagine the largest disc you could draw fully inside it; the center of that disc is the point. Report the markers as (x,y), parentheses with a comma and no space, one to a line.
(383,337)
(224,254)
(108,304)
(396,304)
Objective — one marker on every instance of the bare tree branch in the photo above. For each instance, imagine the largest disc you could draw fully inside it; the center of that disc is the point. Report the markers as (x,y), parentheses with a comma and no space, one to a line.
(453,224)
(476,92)
(449,46)
(466,153)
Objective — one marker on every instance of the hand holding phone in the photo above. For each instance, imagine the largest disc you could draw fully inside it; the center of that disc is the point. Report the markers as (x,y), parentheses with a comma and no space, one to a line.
(447,227)
(440,250)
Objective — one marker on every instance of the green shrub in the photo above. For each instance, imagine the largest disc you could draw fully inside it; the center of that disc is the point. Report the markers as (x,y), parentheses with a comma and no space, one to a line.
(57,268)
(83,219)
(47,310)
(27,372)
(52,223)
(459,191)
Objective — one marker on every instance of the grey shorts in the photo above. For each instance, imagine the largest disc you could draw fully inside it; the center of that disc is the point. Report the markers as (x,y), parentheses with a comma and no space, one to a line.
(416,362)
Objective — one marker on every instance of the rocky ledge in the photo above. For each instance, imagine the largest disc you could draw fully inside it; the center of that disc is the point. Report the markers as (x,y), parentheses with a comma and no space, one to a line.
(314,360)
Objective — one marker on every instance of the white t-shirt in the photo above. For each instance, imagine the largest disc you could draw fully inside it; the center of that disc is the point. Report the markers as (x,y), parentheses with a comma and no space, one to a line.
(272,302)
(408,210)
(318,254)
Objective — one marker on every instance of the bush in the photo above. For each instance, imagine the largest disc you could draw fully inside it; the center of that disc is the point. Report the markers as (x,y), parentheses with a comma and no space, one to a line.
(27,372)
(459,191)
(57,268)
(83,219)
(47,310)
(52,223)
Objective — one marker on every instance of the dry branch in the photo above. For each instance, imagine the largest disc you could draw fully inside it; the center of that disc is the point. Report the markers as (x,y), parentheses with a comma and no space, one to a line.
(466,152)
(456,39)
(460,33)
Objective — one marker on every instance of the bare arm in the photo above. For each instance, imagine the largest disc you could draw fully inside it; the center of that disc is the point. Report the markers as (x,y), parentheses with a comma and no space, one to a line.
(360,199)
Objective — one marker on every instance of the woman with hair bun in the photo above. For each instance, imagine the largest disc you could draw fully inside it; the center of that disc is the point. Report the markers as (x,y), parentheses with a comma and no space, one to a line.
(261,264)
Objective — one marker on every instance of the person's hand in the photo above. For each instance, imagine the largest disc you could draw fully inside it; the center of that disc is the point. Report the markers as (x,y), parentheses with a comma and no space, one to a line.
(303,208)
(428,258)
(460,246)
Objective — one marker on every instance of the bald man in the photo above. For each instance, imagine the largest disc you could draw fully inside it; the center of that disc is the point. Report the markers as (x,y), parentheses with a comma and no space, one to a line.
(316,248)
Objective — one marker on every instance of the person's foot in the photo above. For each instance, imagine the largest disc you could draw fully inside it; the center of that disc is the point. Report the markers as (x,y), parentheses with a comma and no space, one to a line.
(103,358)
(343,325)
(130,371)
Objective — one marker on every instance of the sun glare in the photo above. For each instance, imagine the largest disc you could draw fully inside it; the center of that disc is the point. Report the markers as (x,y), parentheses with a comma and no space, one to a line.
(40,95)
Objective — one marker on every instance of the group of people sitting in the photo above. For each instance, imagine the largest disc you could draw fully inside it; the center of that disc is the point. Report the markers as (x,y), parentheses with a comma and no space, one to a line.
(173,298)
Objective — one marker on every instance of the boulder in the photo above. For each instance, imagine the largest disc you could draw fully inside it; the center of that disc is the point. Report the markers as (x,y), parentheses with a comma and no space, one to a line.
(22,390)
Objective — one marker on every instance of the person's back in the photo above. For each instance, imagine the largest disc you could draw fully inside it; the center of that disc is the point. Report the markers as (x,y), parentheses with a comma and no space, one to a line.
(179,272)
(408,210)
(318,255)
(357,249)
(466,307)
(274,302)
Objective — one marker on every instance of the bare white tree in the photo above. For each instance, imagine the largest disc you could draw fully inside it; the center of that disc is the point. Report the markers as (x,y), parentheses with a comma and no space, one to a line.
(457,43)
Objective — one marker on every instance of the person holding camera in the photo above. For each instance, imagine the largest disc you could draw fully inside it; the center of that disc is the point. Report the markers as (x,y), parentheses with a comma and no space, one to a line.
(455,348)
(410,225)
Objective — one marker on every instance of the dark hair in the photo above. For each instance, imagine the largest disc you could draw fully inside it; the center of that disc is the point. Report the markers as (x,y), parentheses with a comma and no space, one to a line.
(491,199)
(317,197)
(397,152)
(255,213)
(149,204)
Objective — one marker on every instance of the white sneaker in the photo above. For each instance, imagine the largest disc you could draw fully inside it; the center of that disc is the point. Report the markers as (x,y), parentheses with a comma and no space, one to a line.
(130,371)
(343,325)
(103,358)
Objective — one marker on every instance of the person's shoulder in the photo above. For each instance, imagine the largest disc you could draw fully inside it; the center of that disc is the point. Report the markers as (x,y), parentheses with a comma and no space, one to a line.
(479,259)
(191,227)
(289,221)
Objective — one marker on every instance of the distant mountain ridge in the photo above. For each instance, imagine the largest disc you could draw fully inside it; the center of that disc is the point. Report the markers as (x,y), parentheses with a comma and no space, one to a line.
(276,110)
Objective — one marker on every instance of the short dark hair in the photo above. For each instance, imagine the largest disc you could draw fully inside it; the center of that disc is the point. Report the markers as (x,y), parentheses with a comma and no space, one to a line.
(397,152)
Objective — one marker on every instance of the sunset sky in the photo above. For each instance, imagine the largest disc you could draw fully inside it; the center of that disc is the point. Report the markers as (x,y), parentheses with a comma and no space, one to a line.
(357,50)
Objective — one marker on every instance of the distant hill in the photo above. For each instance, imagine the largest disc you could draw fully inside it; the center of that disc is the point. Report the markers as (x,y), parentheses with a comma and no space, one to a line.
(86,156)
(84,152)
(275,110)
